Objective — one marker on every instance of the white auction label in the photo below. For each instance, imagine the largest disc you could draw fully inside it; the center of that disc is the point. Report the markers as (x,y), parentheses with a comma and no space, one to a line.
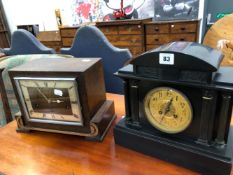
(166,58)
(58,92)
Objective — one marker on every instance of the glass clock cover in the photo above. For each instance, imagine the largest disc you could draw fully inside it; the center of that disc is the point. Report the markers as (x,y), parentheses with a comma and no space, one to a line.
(50,100)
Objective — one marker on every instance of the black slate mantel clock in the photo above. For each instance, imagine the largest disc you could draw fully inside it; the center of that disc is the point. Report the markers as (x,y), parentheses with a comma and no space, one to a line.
(178,107)
(63,96)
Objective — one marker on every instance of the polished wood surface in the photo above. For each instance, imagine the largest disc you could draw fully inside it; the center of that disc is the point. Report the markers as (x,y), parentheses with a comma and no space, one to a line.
(221,30)
(40,153)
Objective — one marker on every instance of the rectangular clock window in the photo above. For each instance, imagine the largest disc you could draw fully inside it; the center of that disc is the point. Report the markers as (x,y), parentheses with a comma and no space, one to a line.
(50,100)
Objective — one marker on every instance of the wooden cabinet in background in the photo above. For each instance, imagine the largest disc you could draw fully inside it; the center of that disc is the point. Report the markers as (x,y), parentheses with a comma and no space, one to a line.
(125,34)
(4,29)
(158,33)
(139,35)
(67,35)
(51,39)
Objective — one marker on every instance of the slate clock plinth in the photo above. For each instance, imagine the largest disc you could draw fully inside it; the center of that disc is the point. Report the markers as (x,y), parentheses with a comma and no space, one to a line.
(206,160)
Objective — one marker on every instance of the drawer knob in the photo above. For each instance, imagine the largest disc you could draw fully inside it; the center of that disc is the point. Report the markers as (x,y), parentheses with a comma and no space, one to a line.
(182,28)
(172,26)
(139,26)
(182,39)
(133,41)
(156,39)
(156,29)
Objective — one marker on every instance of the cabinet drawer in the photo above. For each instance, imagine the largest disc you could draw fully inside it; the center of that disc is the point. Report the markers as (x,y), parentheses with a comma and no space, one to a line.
(183,27)
(130,29)
(183,37)
(67,42)
(51,43)
(157,28)
(157,39)
(109,30)
(149,47)
(68,32)
(125,40)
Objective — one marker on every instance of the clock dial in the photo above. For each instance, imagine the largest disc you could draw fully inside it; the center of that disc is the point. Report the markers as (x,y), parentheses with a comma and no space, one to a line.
(168,110)
(48,99)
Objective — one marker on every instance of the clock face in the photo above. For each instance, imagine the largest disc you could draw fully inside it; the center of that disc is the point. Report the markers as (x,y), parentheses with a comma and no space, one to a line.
(168,110)
(50,100)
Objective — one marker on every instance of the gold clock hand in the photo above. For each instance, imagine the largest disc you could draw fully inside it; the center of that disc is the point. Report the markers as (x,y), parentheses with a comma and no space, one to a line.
(166,109)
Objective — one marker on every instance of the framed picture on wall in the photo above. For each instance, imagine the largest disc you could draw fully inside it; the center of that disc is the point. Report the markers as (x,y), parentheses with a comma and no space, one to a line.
(175,9)
(103,10)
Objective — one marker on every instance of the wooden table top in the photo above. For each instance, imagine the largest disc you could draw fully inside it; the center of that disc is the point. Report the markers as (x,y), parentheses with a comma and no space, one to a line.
(222,29)
(41,153)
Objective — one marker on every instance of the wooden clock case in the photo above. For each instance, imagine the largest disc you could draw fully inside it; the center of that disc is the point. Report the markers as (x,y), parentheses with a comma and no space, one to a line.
(206,145)
(97,112)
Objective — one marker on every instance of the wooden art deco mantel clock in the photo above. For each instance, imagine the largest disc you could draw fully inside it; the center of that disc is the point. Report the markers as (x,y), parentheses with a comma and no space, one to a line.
(178,107)
(64,96)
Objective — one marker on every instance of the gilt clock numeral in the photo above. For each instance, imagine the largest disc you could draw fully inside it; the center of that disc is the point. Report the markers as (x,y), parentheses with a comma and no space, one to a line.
(160,94)
(182,104)
(169,93)
(76,116)
(46,84)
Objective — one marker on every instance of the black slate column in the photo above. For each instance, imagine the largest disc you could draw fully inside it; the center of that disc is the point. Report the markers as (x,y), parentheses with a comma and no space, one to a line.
(207,117)
(223,118)
(134,104)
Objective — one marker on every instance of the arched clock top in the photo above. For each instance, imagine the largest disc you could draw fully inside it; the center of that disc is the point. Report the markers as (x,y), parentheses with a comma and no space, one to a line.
(179,61)
(181,55)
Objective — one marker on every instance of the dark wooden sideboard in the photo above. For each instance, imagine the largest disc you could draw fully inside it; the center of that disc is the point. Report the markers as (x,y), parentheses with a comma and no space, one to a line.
(139,35)
(126,34)
(50,39)
(158,33)
(4,29)
(67,35)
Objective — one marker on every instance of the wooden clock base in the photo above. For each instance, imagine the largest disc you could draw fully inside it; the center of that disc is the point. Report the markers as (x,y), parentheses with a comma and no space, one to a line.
(203,159)
(101,122)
